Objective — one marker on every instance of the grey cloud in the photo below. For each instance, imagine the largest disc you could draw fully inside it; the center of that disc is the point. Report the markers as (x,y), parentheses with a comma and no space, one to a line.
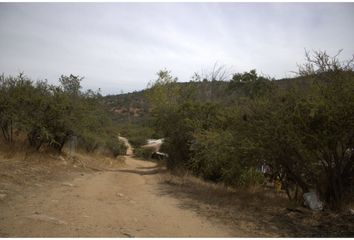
(120,46)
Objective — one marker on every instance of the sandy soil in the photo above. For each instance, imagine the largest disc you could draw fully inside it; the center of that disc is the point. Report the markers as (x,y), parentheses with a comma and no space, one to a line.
(121,203)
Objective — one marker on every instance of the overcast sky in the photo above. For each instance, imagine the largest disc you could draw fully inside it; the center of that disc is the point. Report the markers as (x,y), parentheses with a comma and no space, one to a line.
(121,46)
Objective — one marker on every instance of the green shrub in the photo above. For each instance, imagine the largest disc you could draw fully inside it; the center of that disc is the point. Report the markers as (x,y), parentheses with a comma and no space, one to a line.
(250,178)
(49,115)
(143,152)
(305,132)
(90,142)
(116,147)
(136,134)
(213,155)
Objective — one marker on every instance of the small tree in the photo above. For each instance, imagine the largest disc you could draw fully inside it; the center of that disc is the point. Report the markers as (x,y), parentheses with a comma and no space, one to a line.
(330,130)
(251,85)
(164,91)
(71,84)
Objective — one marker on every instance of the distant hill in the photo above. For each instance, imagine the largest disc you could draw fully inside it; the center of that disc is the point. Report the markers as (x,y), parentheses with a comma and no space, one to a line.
(128,107)
(133,107)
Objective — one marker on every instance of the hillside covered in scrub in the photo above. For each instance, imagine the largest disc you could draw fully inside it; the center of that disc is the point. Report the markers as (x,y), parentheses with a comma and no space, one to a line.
(176,119)
(225,142)
(134,107)
(300,129)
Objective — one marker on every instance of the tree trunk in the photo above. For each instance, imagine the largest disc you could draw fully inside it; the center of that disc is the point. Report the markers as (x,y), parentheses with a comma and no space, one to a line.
(34,139)
(334,193)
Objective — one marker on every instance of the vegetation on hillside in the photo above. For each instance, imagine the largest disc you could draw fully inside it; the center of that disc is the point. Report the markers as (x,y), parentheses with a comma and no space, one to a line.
(304,134)
(301,129)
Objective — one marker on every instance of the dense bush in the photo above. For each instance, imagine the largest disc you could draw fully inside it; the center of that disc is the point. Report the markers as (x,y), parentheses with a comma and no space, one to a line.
(137,134)
(143,152)
(304,134)
(115,146)
(49,115)
(307,136)
(251,177)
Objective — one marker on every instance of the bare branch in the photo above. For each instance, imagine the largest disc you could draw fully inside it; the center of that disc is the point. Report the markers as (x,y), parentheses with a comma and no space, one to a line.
(321,61)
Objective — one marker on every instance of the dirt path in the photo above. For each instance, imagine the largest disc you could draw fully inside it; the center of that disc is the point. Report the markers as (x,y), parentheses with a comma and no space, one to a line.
(124,203)
(127,144)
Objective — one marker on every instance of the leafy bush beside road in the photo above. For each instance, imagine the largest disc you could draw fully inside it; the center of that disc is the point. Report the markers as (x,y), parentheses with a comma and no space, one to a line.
(49,115)
(303,133)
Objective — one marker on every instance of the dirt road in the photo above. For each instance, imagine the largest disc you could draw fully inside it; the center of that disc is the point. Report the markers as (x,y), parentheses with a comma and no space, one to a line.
(127,144)
(125,203)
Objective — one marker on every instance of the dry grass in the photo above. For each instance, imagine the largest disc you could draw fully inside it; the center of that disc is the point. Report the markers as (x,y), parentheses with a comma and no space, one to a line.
(27,168)
(22,166)
(257,212)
